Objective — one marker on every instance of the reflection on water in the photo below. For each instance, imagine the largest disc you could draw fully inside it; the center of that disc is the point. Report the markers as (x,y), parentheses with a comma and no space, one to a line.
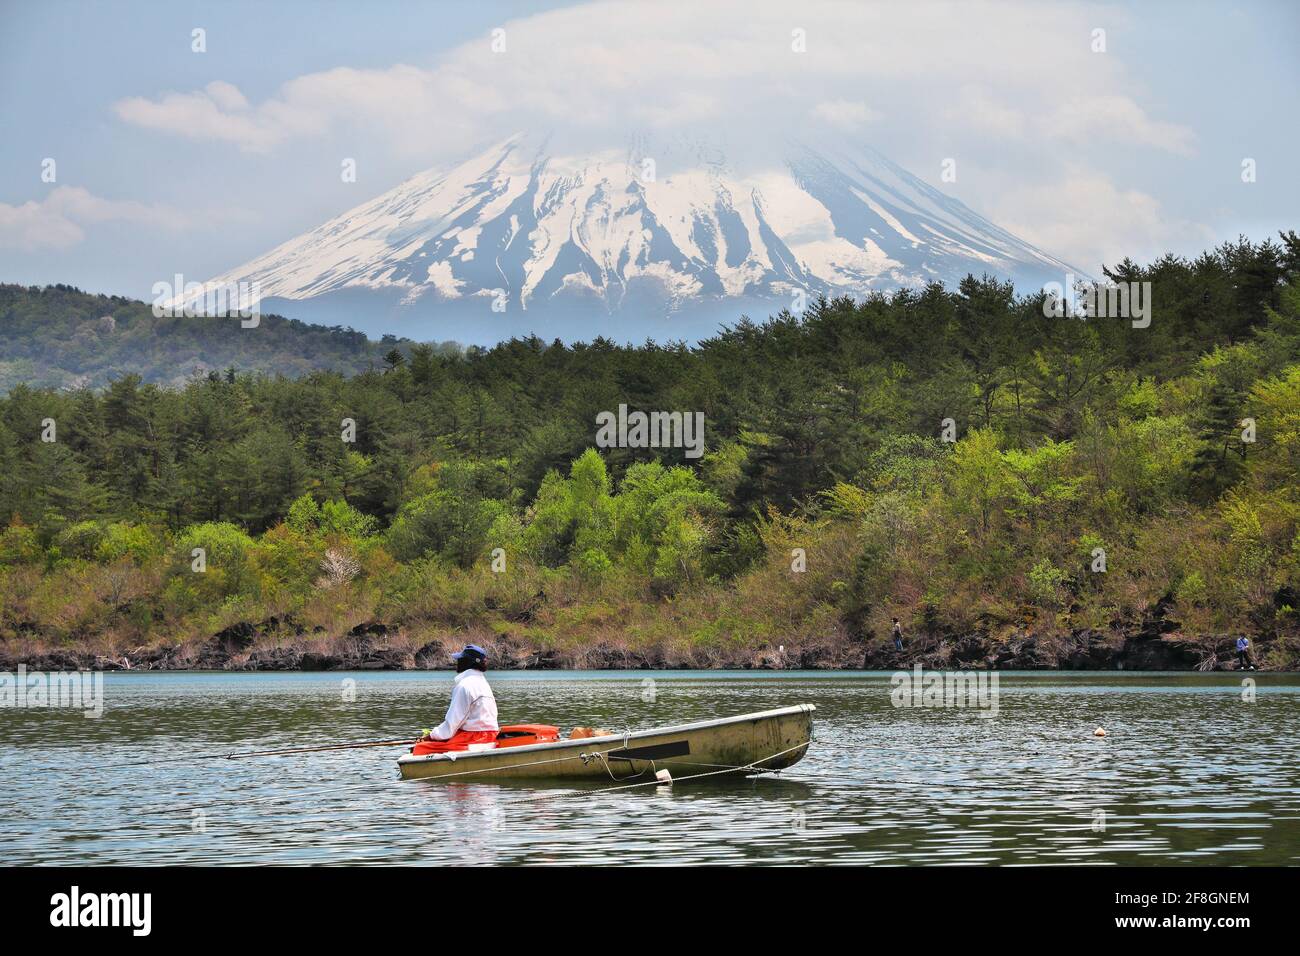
(1189,774)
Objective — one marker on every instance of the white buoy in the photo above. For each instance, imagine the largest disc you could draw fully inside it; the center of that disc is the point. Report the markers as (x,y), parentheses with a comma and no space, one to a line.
(663,776)
(1099,732)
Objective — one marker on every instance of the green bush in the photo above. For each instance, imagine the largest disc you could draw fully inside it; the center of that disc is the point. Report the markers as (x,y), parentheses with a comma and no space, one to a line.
(451,522)
(19,544)
(227,559)
(122,539)
(81,540)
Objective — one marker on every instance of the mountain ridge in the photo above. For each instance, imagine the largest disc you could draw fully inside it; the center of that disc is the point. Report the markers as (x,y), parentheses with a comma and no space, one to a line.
(61,337)
(519,240)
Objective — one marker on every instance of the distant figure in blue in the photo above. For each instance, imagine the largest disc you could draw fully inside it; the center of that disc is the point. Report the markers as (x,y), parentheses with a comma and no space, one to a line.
(1243,654)
(898,635)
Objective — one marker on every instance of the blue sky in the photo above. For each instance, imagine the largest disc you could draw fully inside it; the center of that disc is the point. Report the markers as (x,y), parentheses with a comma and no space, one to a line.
(174,161)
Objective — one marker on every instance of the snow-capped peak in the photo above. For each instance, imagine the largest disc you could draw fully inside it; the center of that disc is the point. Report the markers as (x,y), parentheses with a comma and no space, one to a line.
(522,239)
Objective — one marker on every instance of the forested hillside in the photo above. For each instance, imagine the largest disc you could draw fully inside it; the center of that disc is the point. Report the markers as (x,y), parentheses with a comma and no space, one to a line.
(1108,483)
(62,337)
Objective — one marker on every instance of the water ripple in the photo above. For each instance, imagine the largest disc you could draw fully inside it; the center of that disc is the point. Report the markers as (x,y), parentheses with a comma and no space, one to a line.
(1189,773)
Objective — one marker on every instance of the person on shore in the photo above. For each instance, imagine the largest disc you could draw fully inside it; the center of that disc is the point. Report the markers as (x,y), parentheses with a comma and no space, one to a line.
(472,716)
(1243,654)
(898,635)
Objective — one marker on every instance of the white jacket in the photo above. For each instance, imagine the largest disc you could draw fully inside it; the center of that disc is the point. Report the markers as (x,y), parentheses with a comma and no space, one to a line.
(472,706)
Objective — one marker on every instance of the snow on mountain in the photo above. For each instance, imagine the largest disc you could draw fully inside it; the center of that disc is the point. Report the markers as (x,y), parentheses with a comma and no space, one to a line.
(519,240)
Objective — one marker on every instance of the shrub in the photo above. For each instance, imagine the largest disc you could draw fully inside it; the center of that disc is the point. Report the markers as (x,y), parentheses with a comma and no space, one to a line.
(1046,582)
(122,539)
(227,553)
(80,540)
(19,544)
(451,521)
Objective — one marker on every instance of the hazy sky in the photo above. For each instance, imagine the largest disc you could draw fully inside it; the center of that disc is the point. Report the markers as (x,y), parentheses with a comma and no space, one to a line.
(169,160)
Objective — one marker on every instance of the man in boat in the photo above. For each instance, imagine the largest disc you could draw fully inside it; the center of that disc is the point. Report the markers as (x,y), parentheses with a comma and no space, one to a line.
(472,716)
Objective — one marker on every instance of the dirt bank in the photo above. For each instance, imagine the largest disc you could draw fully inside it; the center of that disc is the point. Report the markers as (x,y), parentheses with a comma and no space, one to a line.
(282,645)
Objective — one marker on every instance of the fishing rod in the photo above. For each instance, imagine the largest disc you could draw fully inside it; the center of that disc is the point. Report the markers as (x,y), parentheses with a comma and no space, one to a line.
(242,754)
(308,750)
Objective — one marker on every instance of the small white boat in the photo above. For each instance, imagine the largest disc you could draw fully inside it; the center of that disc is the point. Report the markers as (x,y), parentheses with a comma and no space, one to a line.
(751,743)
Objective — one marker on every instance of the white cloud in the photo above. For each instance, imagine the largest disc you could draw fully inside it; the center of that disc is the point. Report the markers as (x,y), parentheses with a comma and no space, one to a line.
(1088,221)
(622,64)
(226,95)
(845,114)
(940,81)
(1114,118)
(977,107)
(57,221)
(220,112)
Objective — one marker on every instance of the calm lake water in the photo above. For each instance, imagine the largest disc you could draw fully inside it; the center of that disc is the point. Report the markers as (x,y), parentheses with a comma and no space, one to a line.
(1189,774)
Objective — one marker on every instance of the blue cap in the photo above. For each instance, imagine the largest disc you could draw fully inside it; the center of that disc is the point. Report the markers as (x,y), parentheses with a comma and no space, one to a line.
(472,650)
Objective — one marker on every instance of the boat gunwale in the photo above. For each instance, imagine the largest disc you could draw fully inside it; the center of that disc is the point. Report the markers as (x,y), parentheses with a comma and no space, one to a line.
(458,756)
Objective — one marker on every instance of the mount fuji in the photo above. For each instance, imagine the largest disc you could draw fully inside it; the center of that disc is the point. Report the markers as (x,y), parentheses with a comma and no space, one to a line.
(521,240)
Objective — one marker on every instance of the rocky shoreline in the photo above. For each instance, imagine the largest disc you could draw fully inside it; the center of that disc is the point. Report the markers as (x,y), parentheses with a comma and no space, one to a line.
(281,645)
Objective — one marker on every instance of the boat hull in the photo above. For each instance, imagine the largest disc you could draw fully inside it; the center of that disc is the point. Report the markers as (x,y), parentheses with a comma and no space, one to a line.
(751,743)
